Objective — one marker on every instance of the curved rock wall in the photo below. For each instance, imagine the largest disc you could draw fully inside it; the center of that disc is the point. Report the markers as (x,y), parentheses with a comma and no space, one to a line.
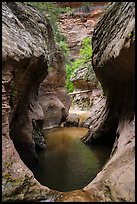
(114,64)
(53,96)
(28,52)
(27,44)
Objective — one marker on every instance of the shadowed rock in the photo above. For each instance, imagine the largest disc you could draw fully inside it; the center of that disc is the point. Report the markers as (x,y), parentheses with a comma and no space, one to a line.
(28,50)
(114,64)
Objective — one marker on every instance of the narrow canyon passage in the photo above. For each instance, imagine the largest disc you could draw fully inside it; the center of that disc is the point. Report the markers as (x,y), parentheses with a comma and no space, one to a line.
(68,102)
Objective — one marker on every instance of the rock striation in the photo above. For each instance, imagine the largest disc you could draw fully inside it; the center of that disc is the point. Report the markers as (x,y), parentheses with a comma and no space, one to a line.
(76,26)
(28,52)
(32,64)
(114,64)
(80,23)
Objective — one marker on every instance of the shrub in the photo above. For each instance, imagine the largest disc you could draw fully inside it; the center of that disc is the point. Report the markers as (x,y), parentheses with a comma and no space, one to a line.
(84,60)
(53,12)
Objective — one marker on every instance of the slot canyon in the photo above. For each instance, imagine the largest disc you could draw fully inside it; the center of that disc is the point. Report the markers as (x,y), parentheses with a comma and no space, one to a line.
(43,123)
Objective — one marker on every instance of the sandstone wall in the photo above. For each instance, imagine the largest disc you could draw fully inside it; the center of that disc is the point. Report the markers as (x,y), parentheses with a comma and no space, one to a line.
(28,51)
(114,64)
(77,26)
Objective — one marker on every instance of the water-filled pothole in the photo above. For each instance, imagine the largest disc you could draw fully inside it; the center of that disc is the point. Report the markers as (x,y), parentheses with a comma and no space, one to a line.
(67,163)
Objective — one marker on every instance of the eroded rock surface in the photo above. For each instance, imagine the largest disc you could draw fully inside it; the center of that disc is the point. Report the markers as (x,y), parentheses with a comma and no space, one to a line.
(114,64)
(53,97)
(26,59)
(28,51)
(86,88)
(77,26)
(80,23)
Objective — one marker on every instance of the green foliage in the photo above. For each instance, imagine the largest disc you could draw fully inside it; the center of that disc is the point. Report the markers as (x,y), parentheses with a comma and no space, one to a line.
(52,12)
(84,60)
(70,68)
(64,48)
(69,84)
(130,35)
(86,50)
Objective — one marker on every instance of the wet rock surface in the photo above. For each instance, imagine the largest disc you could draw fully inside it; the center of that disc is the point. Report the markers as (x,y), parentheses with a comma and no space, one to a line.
(114,64)
(26,59)
(27,52)
(72,120)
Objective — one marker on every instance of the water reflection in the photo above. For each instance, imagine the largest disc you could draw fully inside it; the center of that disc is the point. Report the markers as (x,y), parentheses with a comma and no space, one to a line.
(68,163)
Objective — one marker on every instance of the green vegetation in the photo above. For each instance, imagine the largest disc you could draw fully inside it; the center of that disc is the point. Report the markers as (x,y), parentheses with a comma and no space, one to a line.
(65,49)
(52,12)
(130,34)
(83,61)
